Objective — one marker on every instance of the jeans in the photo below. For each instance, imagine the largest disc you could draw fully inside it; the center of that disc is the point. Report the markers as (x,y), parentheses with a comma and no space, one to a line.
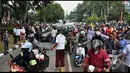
(6,47)
(53,40)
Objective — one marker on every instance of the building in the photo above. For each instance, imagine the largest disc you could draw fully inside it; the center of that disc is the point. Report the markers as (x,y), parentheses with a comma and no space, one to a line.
(127,5)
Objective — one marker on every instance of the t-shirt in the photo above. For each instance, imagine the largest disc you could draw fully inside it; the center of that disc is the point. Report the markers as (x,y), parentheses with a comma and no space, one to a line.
(22,30)
(108,31)
(60,39)
(53,33)
(17,32)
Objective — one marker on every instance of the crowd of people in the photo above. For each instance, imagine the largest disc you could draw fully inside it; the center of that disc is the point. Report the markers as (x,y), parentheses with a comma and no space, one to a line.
(66,41)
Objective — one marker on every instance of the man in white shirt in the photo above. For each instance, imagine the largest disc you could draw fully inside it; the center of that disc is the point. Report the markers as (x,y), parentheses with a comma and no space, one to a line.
(126,52)
(53,34)
(60,50)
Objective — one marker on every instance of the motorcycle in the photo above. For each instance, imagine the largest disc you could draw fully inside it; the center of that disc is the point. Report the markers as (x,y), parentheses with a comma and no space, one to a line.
(79,55)
(42,63)
(115,60)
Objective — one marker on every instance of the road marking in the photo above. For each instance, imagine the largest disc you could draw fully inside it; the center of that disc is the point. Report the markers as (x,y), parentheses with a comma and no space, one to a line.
(69,63)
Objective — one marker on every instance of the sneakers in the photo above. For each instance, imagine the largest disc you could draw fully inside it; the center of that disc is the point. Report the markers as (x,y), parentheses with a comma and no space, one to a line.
(56,68)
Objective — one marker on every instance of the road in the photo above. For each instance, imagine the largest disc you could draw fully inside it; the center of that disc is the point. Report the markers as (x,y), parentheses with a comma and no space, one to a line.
(5,68)
(69,61)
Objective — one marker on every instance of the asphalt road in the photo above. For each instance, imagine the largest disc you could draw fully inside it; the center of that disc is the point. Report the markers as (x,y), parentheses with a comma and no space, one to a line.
(69,61)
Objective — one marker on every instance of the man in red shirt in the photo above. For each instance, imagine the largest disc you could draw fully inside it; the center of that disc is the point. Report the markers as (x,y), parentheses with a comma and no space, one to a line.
(97,57)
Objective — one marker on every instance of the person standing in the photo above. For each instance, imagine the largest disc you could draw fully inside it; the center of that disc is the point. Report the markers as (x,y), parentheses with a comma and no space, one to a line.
(22,33)
(14,35)
(53,34)
(18,33)
(6,40)
(60,50)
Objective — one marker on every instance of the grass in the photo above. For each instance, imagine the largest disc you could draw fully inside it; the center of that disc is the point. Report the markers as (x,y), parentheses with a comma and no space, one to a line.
(11,43)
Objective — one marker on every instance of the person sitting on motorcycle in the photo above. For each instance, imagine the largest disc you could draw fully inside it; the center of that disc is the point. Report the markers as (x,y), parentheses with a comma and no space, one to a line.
(73,39)
(98,36)
(26,58)
(35,43)
(97,57)
(82,37)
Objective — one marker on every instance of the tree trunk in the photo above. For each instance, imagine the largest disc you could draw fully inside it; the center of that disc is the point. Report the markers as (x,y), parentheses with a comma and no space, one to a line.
(26,12)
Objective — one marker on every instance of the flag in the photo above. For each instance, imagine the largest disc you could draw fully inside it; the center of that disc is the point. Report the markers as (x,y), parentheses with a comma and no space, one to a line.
(92,26)
(8,15)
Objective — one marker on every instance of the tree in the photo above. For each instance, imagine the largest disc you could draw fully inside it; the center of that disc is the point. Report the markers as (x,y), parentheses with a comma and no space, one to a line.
(53,12)
(115,11)
(104,10)
(128,19)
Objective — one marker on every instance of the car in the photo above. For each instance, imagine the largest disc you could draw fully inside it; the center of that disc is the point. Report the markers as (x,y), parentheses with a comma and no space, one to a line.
(70,27)
(46,34)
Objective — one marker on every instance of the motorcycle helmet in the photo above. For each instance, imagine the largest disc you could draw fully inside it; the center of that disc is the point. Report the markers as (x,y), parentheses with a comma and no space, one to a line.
(91,68)
(98,33)
(31,37)
(96,45)
(26,47)
(82,33)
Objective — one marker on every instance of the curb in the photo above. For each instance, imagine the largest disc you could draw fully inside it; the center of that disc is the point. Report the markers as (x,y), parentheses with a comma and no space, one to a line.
(2,54)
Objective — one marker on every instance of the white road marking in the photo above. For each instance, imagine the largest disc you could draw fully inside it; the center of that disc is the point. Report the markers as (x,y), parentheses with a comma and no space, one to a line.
(69,63)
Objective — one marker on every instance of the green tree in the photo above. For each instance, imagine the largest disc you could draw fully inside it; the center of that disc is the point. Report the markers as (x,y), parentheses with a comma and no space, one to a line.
(51,13)
(115,11)
(128,19)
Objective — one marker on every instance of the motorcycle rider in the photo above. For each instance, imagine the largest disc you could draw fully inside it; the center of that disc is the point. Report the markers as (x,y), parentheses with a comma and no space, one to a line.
(26,58)
(97,35)
(35,43)
(97,57)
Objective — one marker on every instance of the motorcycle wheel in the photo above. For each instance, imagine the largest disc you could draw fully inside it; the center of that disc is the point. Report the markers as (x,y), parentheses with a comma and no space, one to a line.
(114,67)
(78,64)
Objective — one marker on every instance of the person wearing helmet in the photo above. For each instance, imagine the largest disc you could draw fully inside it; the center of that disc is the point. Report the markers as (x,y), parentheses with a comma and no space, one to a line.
(97,57)
(35,43)
(26,57)
(98,36)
